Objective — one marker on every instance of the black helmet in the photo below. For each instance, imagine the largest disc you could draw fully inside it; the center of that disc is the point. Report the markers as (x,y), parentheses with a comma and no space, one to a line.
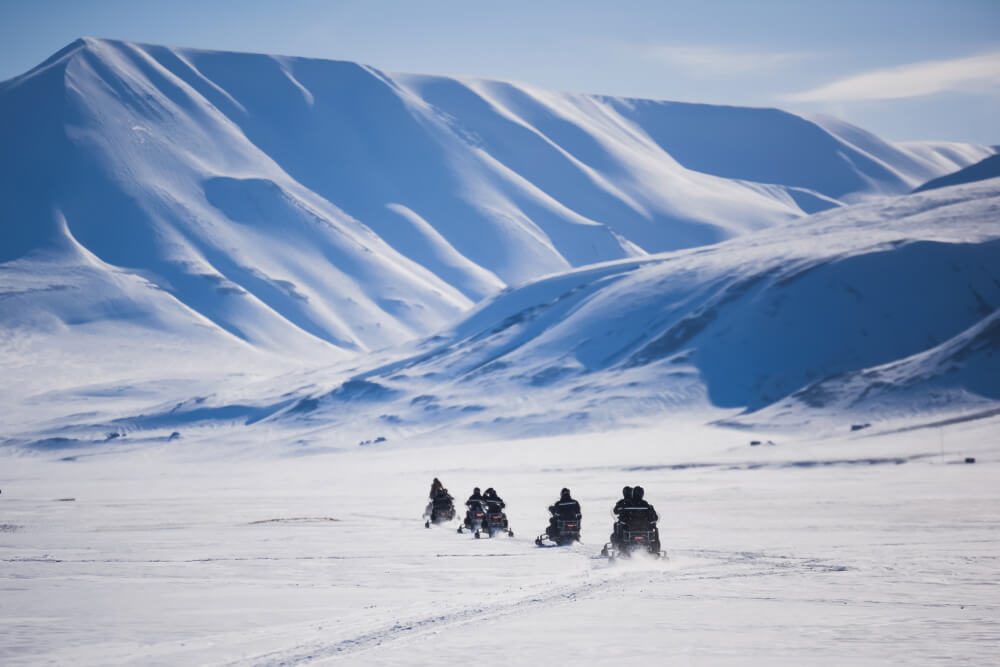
(564,493)
(637,493)
(627,493)
(490,492)
(475,491)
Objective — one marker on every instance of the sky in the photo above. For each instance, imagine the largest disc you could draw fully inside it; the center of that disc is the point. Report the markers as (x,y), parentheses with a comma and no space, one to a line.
(904,69)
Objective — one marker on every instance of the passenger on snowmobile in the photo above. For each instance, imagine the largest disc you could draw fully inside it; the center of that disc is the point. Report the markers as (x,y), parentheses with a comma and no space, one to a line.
(639,516)
(475,513)
(564,521)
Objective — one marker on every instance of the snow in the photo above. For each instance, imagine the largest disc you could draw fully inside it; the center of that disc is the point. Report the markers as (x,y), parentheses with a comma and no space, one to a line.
(250,305)
(985,169)
(327,206)
(826,548)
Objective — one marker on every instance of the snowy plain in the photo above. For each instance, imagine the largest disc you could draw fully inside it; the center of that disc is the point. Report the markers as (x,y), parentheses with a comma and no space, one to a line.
(209,314)
(823,548)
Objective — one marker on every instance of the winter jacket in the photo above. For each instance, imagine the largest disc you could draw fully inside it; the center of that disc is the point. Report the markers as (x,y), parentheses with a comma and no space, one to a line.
(566,508)
(638,512)
(442,499)
(494,499)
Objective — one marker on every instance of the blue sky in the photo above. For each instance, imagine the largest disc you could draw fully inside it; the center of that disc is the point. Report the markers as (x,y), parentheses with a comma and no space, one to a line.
(905,69)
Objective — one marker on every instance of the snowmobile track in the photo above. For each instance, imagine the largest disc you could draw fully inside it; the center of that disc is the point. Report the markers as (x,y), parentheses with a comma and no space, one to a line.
(418,626)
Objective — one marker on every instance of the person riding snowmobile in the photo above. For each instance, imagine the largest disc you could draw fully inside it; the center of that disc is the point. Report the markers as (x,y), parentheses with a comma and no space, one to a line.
(623,502)
(639,515)
(493,501)
(494,504)
(565,509)
(443,500)
(475,503)
(436,487)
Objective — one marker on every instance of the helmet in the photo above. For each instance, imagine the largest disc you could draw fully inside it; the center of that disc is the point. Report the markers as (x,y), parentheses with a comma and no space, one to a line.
(475,491)
(490,492)
(627,493)
(564,493)
(637,493)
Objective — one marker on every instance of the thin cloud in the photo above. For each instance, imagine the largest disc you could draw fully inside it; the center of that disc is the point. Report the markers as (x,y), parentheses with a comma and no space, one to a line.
(972,74)
(719,61)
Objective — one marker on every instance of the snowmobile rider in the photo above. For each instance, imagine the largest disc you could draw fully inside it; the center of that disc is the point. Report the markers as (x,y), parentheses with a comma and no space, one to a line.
(442,499)
(622,503)
(639,514)
(565,509)
(436,487)
(474,503)
(493,501)
(494,504)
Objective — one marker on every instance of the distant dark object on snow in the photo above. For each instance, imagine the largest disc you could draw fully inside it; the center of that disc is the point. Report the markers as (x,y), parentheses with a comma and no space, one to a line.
(65,500)
(112,436)
(757,443)
(174,436)
(858,427)
(980,171)
(970,459)
(754,443)
(371,442)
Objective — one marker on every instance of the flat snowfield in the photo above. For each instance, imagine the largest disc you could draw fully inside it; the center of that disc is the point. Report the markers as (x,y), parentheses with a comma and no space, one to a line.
(827,549)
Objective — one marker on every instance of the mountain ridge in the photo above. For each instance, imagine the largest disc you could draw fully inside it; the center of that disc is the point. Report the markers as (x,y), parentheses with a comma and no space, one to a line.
(429,192)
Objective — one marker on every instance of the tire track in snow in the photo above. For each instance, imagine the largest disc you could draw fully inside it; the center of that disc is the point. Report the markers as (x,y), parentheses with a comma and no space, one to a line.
(597,579)
(600,576)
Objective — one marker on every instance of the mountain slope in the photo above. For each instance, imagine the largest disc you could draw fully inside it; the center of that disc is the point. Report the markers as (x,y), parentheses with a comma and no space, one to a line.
(316,207)
(980,171)
(912,281)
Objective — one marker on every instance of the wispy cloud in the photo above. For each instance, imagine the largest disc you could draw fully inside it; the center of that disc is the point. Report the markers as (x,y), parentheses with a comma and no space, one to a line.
(707,60)
(971,74)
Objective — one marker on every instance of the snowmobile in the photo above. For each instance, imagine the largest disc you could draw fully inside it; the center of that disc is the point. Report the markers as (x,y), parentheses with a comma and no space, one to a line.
(566,532)
(637,536)
(441,511)
(633,541)
(485,520)
(496,522)
(475,517)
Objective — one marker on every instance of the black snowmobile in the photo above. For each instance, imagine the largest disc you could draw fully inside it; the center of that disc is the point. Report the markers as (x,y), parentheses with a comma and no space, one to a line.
(496,521)
(637,535)
(442,510)
(562,532)
(475,517)
(486,518)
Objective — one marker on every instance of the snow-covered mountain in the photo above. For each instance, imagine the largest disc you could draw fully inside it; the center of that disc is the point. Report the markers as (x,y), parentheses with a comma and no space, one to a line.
(182,226)
(320,209)
(980,171)
(840,309)
(881,311)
